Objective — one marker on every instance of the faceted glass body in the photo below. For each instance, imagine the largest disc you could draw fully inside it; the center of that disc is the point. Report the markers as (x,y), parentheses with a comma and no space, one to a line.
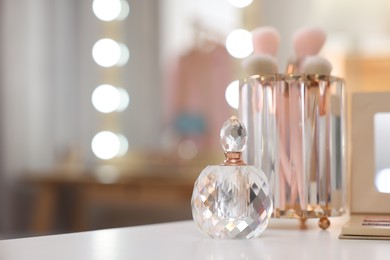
(231,202)
(296,124)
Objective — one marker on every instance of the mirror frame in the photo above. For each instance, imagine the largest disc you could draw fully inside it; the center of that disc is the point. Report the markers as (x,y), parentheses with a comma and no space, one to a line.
(365,198)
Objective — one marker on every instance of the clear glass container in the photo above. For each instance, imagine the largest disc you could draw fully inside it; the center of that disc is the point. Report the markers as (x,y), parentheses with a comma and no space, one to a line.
(232,200)
(297,128)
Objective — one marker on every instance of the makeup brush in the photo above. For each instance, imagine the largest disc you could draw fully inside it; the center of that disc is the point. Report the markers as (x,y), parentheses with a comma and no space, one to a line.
(263,62)
(306,42)
(265,40)
(260,64)
(324,121)
(257,64)
(316,65)
(320,123)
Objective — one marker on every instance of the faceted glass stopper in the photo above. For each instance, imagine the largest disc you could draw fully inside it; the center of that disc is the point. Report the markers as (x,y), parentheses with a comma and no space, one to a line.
(233,135)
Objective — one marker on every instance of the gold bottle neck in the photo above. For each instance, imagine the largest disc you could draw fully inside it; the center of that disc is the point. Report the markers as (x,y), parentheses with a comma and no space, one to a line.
(233,158)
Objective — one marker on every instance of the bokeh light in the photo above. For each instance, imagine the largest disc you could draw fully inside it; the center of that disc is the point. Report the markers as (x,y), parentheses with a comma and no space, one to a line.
(125,55)
(124,11)
(124,145)
(106,98)
(107,53)
(107,145)
(232,94)
(109,10)
(187,149)
(124,100)
(239,43)
(240,3)
(382,180)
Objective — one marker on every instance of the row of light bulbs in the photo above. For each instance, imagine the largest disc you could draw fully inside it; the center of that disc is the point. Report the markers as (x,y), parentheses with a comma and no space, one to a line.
(239,45)
(107,98)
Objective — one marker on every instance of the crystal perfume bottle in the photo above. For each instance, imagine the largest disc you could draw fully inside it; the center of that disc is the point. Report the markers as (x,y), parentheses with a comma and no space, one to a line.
(232,200)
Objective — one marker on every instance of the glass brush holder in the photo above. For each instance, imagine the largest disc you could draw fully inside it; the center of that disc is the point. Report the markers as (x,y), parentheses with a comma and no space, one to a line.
(296,124)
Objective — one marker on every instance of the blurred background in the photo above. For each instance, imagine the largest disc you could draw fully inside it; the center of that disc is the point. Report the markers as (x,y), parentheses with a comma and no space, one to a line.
(109,109)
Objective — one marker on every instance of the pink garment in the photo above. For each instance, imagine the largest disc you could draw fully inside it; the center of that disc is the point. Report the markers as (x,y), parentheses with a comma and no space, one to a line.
(197,81)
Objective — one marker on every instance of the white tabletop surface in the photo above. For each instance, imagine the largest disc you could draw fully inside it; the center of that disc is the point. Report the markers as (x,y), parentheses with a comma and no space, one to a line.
(181,240)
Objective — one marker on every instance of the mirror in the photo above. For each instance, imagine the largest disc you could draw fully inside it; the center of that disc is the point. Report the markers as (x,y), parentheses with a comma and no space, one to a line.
(382,151)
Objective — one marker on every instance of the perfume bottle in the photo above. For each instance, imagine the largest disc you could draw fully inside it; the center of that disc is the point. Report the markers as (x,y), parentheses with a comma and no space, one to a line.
(232,200)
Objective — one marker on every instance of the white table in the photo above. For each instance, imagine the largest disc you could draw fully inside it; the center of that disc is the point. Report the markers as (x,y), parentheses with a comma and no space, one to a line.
(181,240)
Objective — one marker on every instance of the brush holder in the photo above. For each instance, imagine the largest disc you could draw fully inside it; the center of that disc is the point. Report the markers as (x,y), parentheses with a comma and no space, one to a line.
(297,126)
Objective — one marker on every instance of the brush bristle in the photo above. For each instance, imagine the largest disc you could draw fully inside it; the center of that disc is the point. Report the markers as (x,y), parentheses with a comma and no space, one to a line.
(260,64)
(265,40)
(316,65)
(308,41)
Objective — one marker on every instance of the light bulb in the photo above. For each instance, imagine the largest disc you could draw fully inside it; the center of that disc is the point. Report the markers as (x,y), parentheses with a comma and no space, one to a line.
(239,43)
